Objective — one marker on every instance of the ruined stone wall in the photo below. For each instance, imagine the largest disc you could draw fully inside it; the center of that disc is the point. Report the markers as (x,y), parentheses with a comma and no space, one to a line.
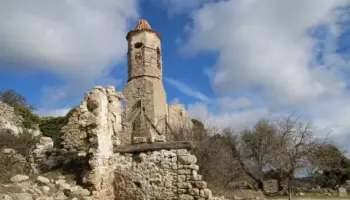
(101,131)
(12,122)
(164,174)
(75,133)
(179,120)
(9,120)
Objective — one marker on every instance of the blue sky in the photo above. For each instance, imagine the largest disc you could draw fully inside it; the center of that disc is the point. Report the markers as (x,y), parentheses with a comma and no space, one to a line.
(231,62)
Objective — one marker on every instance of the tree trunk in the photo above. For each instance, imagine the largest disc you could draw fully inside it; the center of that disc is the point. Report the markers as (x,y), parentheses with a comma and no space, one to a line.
(246,170)
(289,188)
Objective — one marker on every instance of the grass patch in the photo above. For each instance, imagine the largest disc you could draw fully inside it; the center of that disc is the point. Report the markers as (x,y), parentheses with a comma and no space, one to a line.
(309,196)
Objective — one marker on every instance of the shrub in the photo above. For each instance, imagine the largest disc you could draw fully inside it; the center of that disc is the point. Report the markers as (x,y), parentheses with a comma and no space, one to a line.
(21,143)
(30,120)
(10,163)
(50,127)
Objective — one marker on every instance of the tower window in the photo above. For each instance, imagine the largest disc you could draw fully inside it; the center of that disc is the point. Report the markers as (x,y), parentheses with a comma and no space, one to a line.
(138,45)
(158,59)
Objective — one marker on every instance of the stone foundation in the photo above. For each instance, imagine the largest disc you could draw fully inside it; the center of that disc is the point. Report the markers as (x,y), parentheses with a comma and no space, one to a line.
(162,174)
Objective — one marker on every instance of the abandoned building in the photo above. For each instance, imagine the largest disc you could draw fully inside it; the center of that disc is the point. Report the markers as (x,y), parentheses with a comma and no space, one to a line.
(128,151)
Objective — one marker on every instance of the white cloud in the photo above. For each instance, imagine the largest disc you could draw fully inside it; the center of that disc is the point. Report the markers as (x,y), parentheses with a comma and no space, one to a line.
(175,101)
(187,89)
(77,40)
(234,119)
(264,44)
(234,103)
(183,6)
(264,51)
(52,112)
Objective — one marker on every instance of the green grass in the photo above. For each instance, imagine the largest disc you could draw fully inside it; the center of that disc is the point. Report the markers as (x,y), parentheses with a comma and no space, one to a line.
(309,196)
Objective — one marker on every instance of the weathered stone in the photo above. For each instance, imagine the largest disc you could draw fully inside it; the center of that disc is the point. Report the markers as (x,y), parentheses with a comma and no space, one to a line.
(60,196)
(43,180)
(77,190)
(46,189)
(5,197)
(206,193)
(19,178)
(185,197)
(21,196)
(187,159)
(342,192)
(201,184)
(63,186)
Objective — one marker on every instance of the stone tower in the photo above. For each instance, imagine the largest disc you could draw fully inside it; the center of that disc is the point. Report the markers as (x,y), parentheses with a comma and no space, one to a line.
(145,104)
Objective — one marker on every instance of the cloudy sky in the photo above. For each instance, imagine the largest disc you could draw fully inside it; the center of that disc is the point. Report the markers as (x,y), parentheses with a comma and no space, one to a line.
(231,62)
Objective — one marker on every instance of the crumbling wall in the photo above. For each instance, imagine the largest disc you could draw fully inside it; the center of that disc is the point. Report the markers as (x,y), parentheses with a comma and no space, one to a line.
(12,122)
(164,174)
(93,130)
(179,121)
(100,132)
(8,119)
(75,136)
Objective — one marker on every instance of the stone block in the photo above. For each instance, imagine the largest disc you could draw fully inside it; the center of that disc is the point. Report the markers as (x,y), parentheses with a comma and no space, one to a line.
(342,192)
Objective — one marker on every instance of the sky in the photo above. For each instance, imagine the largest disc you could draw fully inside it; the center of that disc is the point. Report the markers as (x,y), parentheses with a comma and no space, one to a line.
(230,62)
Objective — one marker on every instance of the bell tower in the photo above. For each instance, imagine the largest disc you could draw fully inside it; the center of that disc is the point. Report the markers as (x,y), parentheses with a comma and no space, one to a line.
(144,52)
(145,99)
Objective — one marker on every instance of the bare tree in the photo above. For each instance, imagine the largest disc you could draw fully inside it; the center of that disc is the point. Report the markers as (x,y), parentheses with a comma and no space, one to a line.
(296,143)
(14,99)
(253,149)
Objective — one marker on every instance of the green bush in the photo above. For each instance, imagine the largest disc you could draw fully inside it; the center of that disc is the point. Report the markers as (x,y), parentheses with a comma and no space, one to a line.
(30,120)
(51,126)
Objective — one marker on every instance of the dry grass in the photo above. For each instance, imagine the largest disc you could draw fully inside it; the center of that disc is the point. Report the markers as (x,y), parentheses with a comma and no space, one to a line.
(21,143)
(12,164)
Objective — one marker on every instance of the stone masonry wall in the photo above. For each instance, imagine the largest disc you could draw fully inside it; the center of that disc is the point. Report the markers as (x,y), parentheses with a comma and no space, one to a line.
(12,122)
(164,174)
(100,132)
(9,120)
(178,119)
(75,134)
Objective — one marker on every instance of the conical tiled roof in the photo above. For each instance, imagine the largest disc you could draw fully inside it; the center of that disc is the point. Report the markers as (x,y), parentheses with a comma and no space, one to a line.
(142,25)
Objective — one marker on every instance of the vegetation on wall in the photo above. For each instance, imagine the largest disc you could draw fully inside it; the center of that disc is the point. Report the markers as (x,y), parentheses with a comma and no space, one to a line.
(51,126)
(30,119)
(21,107)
